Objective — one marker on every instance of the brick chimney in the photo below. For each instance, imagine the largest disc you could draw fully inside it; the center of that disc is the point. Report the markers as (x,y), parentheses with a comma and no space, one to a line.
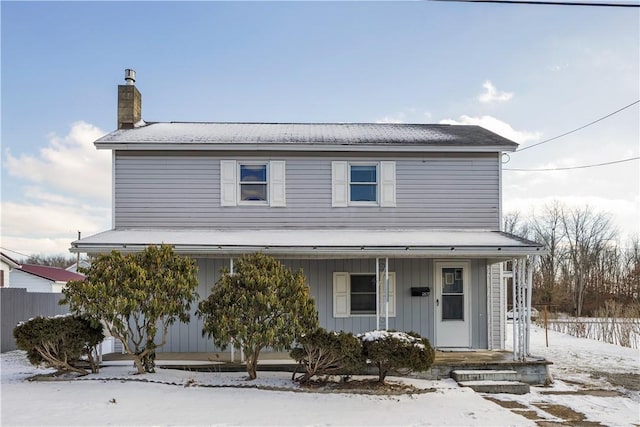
(129,102)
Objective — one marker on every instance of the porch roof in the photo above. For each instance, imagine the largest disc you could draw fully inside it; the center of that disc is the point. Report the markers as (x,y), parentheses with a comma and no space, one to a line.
(318,243)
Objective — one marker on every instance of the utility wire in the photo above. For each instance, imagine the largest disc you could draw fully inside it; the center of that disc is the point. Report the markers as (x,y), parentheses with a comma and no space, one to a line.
(580,128)
(547,3)
(574,167)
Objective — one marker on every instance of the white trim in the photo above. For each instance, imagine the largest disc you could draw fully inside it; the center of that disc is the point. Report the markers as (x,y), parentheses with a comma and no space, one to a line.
(228,184)
(342,295)
(113,189)
(387,184)
(266,183)
(254,147)
(339,184)
(276,185)
(375,202)
(500,219)
(489,290)
(466,266)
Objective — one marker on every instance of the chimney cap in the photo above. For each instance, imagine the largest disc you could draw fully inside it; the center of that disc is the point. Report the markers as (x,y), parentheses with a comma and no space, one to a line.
(130,76)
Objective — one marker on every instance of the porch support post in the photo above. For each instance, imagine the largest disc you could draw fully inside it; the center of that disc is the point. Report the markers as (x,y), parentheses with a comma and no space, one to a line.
(514,267)
(377,294)
(386,292)
(530,263)
(522,319)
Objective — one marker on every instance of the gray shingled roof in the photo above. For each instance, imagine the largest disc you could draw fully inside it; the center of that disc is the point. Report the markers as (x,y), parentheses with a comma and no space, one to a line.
(308,134)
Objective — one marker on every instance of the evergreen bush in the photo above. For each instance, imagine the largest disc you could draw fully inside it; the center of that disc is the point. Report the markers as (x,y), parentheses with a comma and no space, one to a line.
(60,342)
(397,352)
(261,304)
(328,353)
(137,297)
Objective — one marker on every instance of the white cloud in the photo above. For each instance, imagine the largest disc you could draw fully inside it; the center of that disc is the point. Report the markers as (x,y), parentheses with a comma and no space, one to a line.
(495,125)
(69,164)
(491,94)
(68,189)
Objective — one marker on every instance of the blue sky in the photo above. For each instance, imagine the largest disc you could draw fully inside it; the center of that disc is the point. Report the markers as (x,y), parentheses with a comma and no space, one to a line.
(527,72)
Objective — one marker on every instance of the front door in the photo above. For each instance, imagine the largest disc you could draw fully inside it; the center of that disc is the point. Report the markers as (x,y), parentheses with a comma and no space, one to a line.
(453,323)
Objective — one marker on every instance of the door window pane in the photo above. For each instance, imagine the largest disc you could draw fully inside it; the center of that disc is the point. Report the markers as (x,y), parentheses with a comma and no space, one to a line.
(452,281)
(452,307)
(452,294)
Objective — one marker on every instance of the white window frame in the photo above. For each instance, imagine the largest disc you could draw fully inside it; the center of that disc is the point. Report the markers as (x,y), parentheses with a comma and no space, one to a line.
(240,183)
(230,183)
(375,202)
(341,184)
(342,294)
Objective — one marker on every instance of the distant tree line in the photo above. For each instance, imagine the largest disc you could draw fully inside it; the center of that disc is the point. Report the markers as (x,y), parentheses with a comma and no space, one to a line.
(51,260)
(586,266)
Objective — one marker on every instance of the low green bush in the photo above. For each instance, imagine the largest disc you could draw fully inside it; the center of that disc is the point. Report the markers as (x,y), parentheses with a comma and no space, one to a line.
(328,353)
(60,342)
(396,352)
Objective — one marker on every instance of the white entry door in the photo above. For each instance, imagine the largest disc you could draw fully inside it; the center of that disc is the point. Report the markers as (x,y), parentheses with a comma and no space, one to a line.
(452,295)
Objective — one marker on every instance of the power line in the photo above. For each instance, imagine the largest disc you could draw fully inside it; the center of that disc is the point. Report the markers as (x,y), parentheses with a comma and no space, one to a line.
(546,3)
(580,128)
(574,167)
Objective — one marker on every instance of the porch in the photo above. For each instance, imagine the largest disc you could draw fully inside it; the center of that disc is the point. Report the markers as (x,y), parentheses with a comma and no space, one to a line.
(533,370)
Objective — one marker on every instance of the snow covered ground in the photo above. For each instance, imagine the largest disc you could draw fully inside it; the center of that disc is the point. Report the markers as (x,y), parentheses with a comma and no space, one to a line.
(171,397)
(598,380)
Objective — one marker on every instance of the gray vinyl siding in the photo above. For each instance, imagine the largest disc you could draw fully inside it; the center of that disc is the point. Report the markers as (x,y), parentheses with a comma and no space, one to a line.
(413,313)
(182,190)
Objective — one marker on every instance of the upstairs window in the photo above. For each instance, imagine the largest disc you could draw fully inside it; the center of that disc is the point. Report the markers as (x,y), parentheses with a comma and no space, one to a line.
(363,183)
(253,183)
(261,183)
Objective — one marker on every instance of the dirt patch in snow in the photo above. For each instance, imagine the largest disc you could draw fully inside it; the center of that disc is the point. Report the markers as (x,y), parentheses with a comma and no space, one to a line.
(570,417)
(366,386)
(599,393)
(629,380)
(509,404)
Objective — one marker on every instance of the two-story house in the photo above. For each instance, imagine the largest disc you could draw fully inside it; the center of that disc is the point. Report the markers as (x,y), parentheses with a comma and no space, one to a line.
(395,225)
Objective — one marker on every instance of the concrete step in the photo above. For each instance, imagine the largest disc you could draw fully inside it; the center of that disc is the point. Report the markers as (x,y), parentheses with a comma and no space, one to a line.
(510,387)
(484,375)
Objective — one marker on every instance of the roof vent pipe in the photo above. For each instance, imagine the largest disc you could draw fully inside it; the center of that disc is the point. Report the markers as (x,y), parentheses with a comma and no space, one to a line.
(130,76)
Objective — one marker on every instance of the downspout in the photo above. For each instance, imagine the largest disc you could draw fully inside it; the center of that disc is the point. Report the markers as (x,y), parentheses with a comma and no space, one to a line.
(377,294)
(489,305)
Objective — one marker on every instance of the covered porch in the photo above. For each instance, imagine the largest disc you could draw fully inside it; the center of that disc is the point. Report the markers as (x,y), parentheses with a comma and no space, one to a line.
(446,285)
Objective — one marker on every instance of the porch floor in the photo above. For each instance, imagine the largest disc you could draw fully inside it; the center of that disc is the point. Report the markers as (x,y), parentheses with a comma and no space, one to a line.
(532,371)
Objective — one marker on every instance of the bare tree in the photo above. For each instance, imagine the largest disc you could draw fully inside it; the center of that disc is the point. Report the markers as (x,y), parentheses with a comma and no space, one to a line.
(547,229)
(587,235)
